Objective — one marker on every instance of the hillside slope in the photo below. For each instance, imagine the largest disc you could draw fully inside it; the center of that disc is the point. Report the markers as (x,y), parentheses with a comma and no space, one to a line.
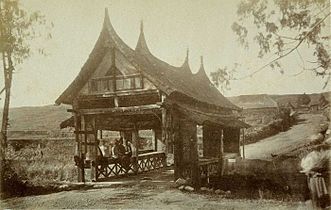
(37,118)
(282,100)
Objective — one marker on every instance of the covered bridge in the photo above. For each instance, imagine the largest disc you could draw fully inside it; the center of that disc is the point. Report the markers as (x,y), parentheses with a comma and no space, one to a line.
(127,90)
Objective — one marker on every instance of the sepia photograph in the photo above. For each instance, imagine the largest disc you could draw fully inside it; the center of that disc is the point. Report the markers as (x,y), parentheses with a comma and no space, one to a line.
(176,104)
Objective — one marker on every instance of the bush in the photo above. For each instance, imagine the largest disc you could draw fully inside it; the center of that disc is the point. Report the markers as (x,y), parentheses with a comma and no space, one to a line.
(11,182)
(282,122)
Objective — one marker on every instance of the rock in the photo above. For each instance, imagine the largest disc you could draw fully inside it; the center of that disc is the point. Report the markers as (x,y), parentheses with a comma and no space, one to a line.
(189,188)
(328,141)
(180,182)
(210,190)
(323,128)
(228,192)
(328,132)
(218,191)
(63,187)
(316,138)
(204,189)
(181,187)
(188,181)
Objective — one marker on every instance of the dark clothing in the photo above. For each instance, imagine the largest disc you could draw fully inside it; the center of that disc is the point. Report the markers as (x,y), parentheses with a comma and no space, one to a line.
(121,150)
(128,150)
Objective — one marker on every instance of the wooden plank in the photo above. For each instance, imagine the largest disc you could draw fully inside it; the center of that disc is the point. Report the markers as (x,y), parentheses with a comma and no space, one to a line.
(95,96)
(133,110)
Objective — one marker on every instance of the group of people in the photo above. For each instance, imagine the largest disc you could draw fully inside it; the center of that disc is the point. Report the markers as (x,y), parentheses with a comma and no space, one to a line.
(120,150)
(117,150)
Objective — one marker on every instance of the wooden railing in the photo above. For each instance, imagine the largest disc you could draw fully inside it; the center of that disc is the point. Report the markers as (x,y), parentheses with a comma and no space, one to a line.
(209,167)
(109,167)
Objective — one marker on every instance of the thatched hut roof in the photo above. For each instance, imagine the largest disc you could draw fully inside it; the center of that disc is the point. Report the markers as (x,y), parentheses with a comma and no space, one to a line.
(165,77)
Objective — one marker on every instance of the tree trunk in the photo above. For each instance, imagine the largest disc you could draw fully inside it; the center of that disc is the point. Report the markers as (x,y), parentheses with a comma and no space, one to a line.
(8,73)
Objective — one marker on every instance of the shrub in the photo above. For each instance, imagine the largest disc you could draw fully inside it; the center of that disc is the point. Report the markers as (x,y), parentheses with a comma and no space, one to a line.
(11,182)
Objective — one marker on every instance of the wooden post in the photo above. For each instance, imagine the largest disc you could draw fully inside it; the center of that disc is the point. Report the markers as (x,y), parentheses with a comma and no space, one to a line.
(135,141)
(221,156)
(178,146)
(100,131)
(83,125)
(244,143)
(80,167)
(164,129)
(195,162)
(155,139)
(94,149)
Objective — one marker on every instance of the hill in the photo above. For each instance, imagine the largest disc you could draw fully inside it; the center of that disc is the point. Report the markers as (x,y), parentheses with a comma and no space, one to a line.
(282,100)
(40,118)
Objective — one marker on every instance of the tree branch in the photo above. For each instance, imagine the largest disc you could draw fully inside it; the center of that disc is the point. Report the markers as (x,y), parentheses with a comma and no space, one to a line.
(289,52)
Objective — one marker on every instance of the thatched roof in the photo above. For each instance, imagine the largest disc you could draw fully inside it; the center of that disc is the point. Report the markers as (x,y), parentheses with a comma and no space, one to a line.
(165,77)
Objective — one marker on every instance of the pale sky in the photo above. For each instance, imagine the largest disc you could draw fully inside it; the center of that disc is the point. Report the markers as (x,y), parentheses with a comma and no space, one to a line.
(204,26)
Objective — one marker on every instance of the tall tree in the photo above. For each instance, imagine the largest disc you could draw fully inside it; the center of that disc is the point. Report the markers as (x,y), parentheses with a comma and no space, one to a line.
(283,27)
(17,29)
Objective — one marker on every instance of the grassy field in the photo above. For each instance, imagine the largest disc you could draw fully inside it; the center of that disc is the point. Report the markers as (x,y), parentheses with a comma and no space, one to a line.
(43,160)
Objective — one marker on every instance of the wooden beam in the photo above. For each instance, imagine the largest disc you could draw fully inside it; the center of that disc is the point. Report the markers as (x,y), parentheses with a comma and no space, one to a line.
(96,96)
(132,110)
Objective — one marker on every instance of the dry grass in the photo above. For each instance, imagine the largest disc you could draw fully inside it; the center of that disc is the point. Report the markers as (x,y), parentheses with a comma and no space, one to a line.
(44,161)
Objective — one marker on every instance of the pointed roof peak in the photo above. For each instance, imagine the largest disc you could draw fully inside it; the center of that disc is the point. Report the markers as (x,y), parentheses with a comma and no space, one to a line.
(201,75)
(142,44)
(201,62)
(186,66)
(186,61)
(141,26)
(187,54)
(106,20)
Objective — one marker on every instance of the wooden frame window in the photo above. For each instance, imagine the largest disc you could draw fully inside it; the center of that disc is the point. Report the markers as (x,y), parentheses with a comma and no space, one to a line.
(107,84)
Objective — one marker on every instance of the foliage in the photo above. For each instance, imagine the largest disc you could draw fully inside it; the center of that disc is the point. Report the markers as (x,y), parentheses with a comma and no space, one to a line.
(283,27)
(322,100)
(19,28)
(222,76)
(303,99)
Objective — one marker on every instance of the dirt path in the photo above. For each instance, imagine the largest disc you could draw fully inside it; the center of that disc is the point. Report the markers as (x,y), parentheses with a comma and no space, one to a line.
(286,141)
(154,193)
